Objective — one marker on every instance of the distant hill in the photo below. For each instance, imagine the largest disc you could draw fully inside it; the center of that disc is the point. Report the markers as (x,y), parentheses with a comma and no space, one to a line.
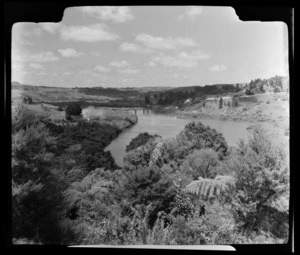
(180,94)
(144,95)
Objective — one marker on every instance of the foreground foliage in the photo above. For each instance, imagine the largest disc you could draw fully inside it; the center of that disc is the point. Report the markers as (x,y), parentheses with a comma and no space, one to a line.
(188,190)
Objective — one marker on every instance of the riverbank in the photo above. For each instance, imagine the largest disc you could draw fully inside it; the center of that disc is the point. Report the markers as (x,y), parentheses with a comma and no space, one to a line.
(271,111)
(119,118)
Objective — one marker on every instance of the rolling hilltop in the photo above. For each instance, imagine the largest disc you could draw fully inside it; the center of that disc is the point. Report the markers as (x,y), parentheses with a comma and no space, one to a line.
(145,96)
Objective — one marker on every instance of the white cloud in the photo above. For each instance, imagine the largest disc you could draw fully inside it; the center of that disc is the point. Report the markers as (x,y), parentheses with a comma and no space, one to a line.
(17,71)
(191,12)
(91,33)
(96,53)
(129,71)
(40,73)
(218,68)
(119,63)
(169,43)
(175,61)
(85,72)
(42,57)
(36,66)
(19,34)
(117,14)
(102,68)
(182,59)
(132,47)
(25,56)
(50,27)
(70,53)
(195,55)
(151,64)
(67,73)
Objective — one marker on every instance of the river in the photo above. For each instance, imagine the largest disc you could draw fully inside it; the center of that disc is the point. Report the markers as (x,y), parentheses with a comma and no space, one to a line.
(169,126)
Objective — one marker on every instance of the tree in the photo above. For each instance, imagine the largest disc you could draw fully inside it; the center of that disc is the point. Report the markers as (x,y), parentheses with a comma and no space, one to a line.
(73,109)
(206,188)
(221,103)
(30,153)
(147,99)
(248,92)
(198,136)
(22,118)
(276,89)
(261,88)
(27,100)
(80,197)
(148,185)
(140,156)
(138,141)
(36,188)
(262,181)
(235,101)
(203,163)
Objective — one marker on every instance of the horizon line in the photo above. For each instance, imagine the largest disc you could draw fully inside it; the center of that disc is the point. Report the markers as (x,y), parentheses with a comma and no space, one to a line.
(284,76)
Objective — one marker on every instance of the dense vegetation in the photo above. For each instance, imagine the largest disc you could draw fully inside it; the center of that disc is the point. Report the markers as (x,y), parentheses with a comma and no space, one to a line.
(113,103)
(274,84)
(179,95)
(73,110)
(109,92)
(133,97)
(138,141)
(190,189)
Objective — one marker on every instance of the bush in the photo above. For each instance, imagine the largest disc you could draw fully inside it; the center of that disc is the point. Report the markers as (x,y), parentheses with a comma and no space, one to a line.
(262,181)
(138,141)
(249,92)
(22,118)
(217,226)
(148,185)
(27,100)
(35,187)
(73,109)
(200,136)
(203,163)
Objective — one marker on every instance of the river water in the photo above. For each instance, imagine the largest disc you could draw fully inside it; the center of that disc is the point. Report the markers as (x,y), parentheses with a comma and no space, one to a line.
(168,126)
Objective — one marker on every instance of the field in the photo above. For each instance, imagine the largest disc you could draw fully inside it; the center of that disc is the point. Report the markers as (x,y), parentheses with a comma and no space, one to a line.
(53,94)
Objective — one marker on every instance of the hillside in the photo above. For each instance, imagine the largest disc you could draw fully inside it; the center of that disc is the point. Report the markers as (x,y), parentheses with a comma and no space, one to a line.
(96,95)
(144,96)
(52,94)
(271,110)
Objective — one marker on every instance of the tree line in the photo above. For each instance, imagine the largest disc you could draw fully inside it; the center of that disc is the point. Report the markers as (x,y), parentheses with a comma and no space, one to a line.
(179,95)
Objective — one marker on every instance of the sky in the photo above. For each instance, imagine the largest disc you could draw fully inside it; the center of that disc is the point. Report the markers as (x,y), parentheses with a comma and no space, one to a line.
(138,46)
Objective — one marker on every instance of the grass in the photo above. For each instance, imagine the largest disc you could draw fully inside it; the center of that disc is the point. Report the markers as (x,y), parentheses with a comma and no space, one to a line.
(48,111)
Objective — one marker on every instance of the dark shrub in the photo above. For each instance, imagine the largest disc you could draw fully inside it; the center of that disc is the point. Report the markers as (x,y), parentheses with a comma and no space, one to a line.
(248,92)
(138,141)
(73,109)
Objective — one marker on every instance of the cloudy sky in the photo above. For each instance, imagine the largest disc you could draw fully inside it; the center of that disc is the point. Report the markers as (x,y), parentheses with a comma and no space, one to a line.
(147,46)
